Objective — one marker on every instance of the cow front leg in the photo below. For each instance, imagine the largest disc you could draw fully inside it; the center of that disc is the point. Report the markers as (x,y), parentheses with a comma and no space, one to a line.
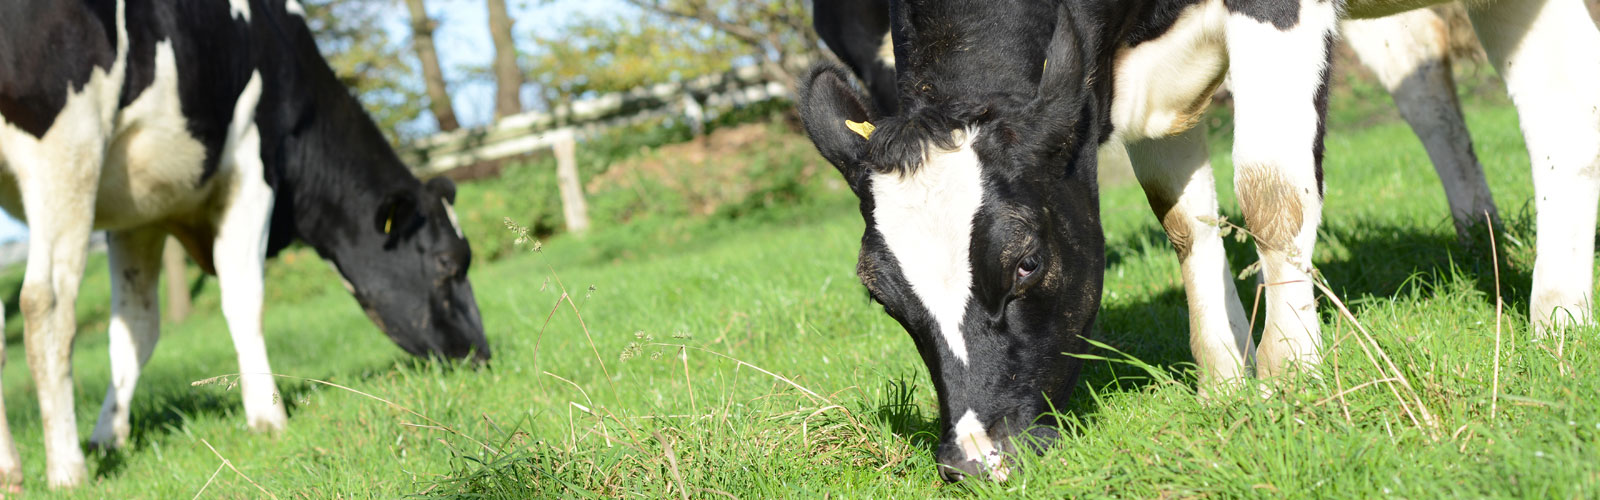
(240,252)
(57,188)
(1279,63)
(135,258)
(1545,51)
(1410,54)
(1175,173)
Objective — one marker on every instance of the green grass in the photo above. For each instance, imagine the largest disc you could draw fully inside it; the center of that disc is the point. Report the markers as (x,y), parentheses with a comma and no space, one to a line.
(793,385)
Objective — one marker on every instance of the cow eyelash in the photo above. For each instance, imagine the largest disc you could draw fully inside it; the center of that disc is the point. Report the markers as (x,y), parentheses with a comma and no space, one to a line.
(1028,271)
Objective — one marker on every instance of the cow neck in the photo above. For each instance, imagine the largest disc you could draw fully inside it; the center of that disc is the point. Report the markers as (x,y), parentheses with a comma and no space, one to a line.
(333,167)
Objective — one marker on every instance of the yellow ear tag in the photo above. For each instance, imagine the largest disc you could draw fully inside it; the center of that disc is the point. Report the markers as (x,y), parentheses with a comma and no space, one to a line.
(1046,65)
(863,129)
(388,223)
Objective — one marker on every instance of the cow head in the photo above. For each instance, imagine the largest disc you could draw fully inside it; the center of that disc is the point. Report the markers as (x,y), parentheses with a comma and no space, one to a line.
(408,270)
(982,225)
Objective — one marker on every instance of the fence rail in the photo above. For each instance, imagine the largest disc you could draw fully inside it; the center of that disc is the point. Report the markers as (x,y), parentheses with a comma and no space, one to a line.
(533,131)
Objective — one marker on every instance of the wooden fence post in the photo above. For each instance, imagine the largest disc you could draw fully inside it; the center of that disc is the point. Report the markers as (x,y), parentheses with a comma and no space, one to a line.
(172,259)
(573,206)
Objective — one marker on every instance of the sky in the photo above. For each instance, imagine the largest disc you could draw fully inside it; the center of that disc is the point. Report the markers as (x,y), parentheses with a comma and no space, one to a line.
(462,39)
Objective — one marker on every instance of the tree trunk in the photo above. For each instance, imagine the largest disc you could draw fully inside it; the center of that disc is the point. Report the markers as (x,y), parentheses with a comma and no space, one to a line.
(508,78)
(422,40)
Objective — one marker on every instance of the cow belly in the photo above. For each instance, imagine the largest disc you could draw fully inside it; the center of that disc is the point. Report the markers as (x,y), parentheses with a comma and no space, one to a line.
(152,171)
(1164,84)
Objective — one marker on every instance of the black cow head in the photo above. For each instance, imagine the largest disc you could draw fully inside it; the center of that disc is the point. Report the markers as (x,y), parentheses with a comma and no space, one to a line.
(407,267)
(982,225)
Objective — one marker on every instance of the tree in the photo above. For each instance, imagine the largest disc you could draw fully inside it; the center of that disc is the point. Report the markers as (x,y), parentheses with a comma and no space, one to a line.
(351,36)
(619,53)
(777,32)
(422,29)
(507,77)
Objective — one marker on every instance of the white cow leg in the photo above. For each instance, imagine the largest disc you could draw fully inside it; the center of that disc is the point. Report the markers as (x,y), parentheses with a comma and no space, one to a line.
(59,200)
(240,252)
(1176,175)
(1546,52)
(1410,53)
(135,258)
(1279,86)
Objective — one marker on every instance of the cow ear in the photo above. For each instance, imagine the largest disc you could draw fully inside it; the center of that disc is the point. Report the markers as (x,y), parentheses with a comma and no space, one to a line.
(444,188)
(836,117)
(396,210)
(1061,79)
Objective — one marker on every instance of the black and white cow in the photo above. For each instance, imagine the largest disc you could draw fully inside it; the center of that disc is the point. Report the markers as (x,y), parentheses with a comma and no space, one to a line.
(1409,52)
(983,235)
(221,124)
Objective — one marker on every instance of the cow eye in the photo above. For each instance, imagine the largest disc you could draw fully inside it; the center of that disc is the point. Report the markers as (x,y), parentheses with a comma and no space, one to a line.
(1028,265)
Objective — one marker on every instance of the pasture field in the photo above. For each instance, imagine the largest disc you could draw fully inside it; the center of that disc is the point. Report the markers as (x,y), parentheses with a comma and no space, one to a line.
(724,349)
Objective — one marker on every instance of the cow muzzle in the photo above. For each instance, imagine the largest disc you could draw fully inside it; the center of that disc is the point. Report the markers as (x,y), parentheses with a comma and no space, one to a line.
(973,451)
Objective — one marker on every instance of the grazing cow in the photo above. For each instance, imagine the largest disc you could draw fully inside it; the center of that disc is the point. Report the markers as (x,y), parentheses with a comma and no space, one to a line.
(1409,52)
(221,124)
(982,227)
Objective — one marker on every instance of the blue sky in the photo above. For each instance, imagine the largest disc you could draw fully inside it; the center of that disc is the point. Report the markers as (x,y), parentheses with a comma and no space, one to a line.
(462,39)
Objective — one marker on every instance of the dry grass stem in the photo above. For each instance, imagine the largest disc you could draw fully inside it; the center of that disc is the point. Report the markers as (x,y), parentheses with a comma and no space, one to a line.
(672,465)
(1340,395)
(236,470)
(1499,305)
(208,481)
(817,398)
(1432,424)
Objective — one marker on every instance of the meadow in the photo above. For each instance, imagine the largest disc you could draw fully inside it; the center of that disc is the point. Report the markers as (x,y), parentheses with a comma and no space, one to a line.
(709,339)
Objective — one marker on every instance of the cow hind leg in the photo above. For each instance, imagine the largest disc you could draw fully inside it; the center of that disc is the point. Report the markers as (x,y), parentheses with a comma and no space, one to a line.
(135,258)
(1177,179)
(1545,51)
(1279,71)
(1410,54)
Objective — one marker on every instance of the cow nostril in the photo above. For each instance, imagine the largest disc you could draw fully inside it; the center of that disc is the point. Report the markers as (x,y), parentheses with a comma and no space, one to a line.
(955,468)
(950,475)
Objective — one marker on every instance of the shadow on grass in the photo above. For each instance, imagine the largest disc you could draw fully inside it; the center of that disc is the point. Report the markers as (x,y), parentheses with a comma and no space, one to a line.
(156,416)
(152,421)
(900,411)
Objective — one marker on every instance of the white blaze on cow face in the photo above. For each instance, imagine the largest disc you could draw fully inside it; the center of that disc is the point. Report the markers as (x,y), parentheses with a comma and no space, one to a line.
(294,7)
(977,446)
(925,217)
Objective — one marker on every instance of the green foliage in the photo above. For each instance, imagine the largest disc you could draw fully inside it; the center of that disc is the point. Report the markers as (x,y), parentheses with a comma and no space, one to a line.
(618,53)
(378,70)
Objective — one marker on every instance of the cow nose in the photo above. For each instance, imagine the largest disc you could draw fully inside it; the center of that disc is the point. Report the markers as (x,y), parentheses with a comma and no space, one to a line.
(955,466)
